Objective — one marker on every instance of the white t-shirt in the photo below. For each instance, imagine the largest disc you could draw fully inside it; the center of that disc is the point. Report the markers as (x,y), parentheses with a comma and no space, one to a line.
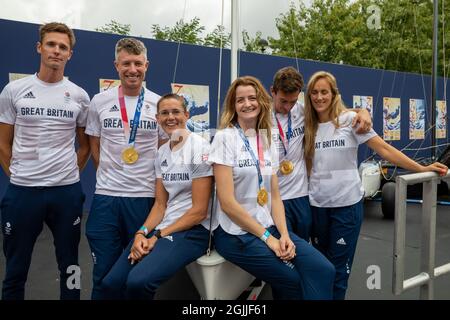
(295,184)
(178,169)
(228,149)
(334,180)
(45,117)
(114,177)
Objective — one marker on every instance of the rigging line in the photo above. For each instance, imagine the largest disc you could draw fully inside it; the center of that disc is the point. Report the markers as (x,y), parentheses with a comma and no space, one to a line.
(423,88)
(219,82)
(420,60)
(443,62)
(383,71)
(179,44)
(430,147)
(443,50)
(423,140)
(397,62)
(239,42)
(423,83)
(420,146)
(385,61)
(376,102)
(293,39)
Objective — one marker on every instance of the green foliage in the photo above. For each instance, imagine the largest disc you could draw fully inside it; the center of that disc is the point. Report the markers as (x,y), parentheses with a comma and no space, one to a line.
(191,32)
(335,31)
(115,27)
(217,38)
(338,30)
(256,44)
(187,32)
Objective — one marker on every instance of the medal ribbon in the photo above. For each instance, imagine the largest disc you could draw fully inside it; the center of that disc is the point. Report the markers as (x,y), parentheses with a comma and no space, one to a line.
(259,163)
(289,133)
(137,115)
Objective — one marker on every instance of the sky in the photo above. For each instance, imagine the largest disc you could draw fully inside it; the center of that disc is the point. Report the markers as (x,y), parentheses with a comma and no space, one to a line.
(255,15)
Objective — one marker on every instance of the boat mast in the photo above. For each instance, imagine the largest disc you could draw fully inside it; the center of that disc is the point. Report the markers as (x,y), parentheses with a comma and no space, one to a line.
(234,39)
(434,79)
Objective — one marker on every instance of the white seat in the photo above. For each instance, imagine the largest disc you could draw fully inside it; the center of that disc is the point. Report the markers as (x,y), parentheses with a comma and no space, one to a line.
(218,279)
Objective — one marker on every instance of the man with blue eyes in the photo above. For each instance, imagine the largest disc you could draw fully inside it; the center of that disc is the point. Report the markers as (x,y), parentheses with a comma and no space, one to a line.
(124,135)
(40,117)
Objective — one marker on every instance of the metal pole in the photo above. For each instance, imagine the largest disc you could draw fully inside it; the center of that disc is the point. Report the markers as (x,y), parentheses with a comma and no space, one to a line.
(234,39)
(434,78)
(398,274)
(428,242)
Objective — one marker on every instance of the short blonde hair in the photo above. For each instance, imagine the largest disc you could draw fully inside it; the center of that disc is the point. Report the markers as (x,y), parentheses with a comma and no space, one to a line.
(132,46)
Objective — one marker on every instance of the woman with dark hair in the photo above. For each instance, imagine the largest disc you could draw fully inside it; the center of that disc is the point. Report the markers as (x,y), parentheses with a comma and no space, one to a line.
(176,231)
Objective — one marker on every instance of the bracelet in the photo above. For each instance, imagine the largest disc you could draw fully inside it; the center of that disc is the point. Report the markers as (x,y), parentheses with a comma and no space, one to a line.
(144,229)
(265,236)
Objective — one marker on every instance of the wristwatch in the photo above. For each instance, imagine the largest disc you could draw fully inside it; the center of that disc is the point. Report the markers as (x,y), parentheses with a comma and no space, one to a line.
(157,234)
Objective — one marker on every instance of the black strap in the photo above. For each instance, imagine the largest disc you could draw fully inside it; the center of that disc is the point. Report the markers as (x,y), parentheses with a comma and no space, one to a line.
(208,252)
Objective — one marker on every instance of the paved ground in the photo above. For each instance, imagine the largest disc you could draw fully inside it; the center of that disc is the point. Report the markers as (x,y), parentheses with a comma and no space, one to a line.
(375,247)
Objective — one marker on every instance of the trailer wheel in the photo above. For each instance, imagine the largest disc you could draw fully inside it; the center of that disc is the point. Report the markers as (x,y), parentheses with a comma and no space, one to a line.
(388,200)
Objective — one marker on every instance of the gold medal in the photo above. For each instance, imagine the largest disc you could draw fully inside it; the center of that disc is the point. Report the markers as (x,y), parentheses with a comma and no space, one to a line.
(262,197)
(130,155)
(286,167)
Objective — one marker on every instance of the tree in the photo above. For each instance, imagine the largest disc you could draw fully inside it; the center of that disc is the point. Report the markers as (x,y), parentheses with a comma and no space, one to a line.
(338,30)
(255,44)
(187,32)
(217,38)
(329,30)
(115,27)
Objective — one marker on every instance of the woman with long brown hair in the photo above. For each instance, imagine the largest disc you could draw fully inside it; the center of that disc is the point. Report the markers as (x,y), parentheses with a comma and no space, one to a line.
(335,189)
(252,232)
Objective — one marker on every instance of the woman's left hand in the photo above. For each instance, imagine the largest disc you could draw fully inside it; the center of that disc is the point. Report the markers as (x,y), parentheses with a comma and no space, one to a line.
(287,248)
(438,167)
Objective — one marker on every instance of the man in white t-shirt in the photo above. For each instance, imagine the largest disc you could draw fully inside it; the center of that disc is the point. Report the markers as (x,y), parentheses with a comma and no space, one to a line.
(40,116)
(124,138)
(288,129)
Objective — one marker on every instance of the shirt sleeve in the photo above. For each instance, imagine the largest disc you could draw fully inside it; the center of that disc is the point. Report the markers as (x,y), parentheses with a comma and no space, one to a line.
(222,148)
(364,137)
(7,109)
(200,166)
(158,165)
(93,126)
(84,104)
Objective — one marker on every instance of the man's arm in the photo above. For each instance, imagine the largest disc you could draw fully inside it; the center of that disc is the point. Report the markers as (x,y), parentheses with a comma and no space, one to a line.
(94,143)
(83,148)
(6,142)
(363,119)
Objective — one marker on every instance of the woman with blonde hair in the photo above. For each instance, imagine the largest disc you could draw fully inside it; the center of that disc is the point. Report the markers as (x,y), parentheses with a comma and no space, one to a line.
(252,230)
(335,189)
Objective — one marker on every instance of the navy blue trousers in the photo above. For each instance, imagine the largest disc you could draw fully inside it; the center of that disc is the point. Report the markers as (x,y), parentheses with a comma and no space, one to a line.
(308,276)
(335,233)
(111,225)
(298,216)
(24,211)
(169,255)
